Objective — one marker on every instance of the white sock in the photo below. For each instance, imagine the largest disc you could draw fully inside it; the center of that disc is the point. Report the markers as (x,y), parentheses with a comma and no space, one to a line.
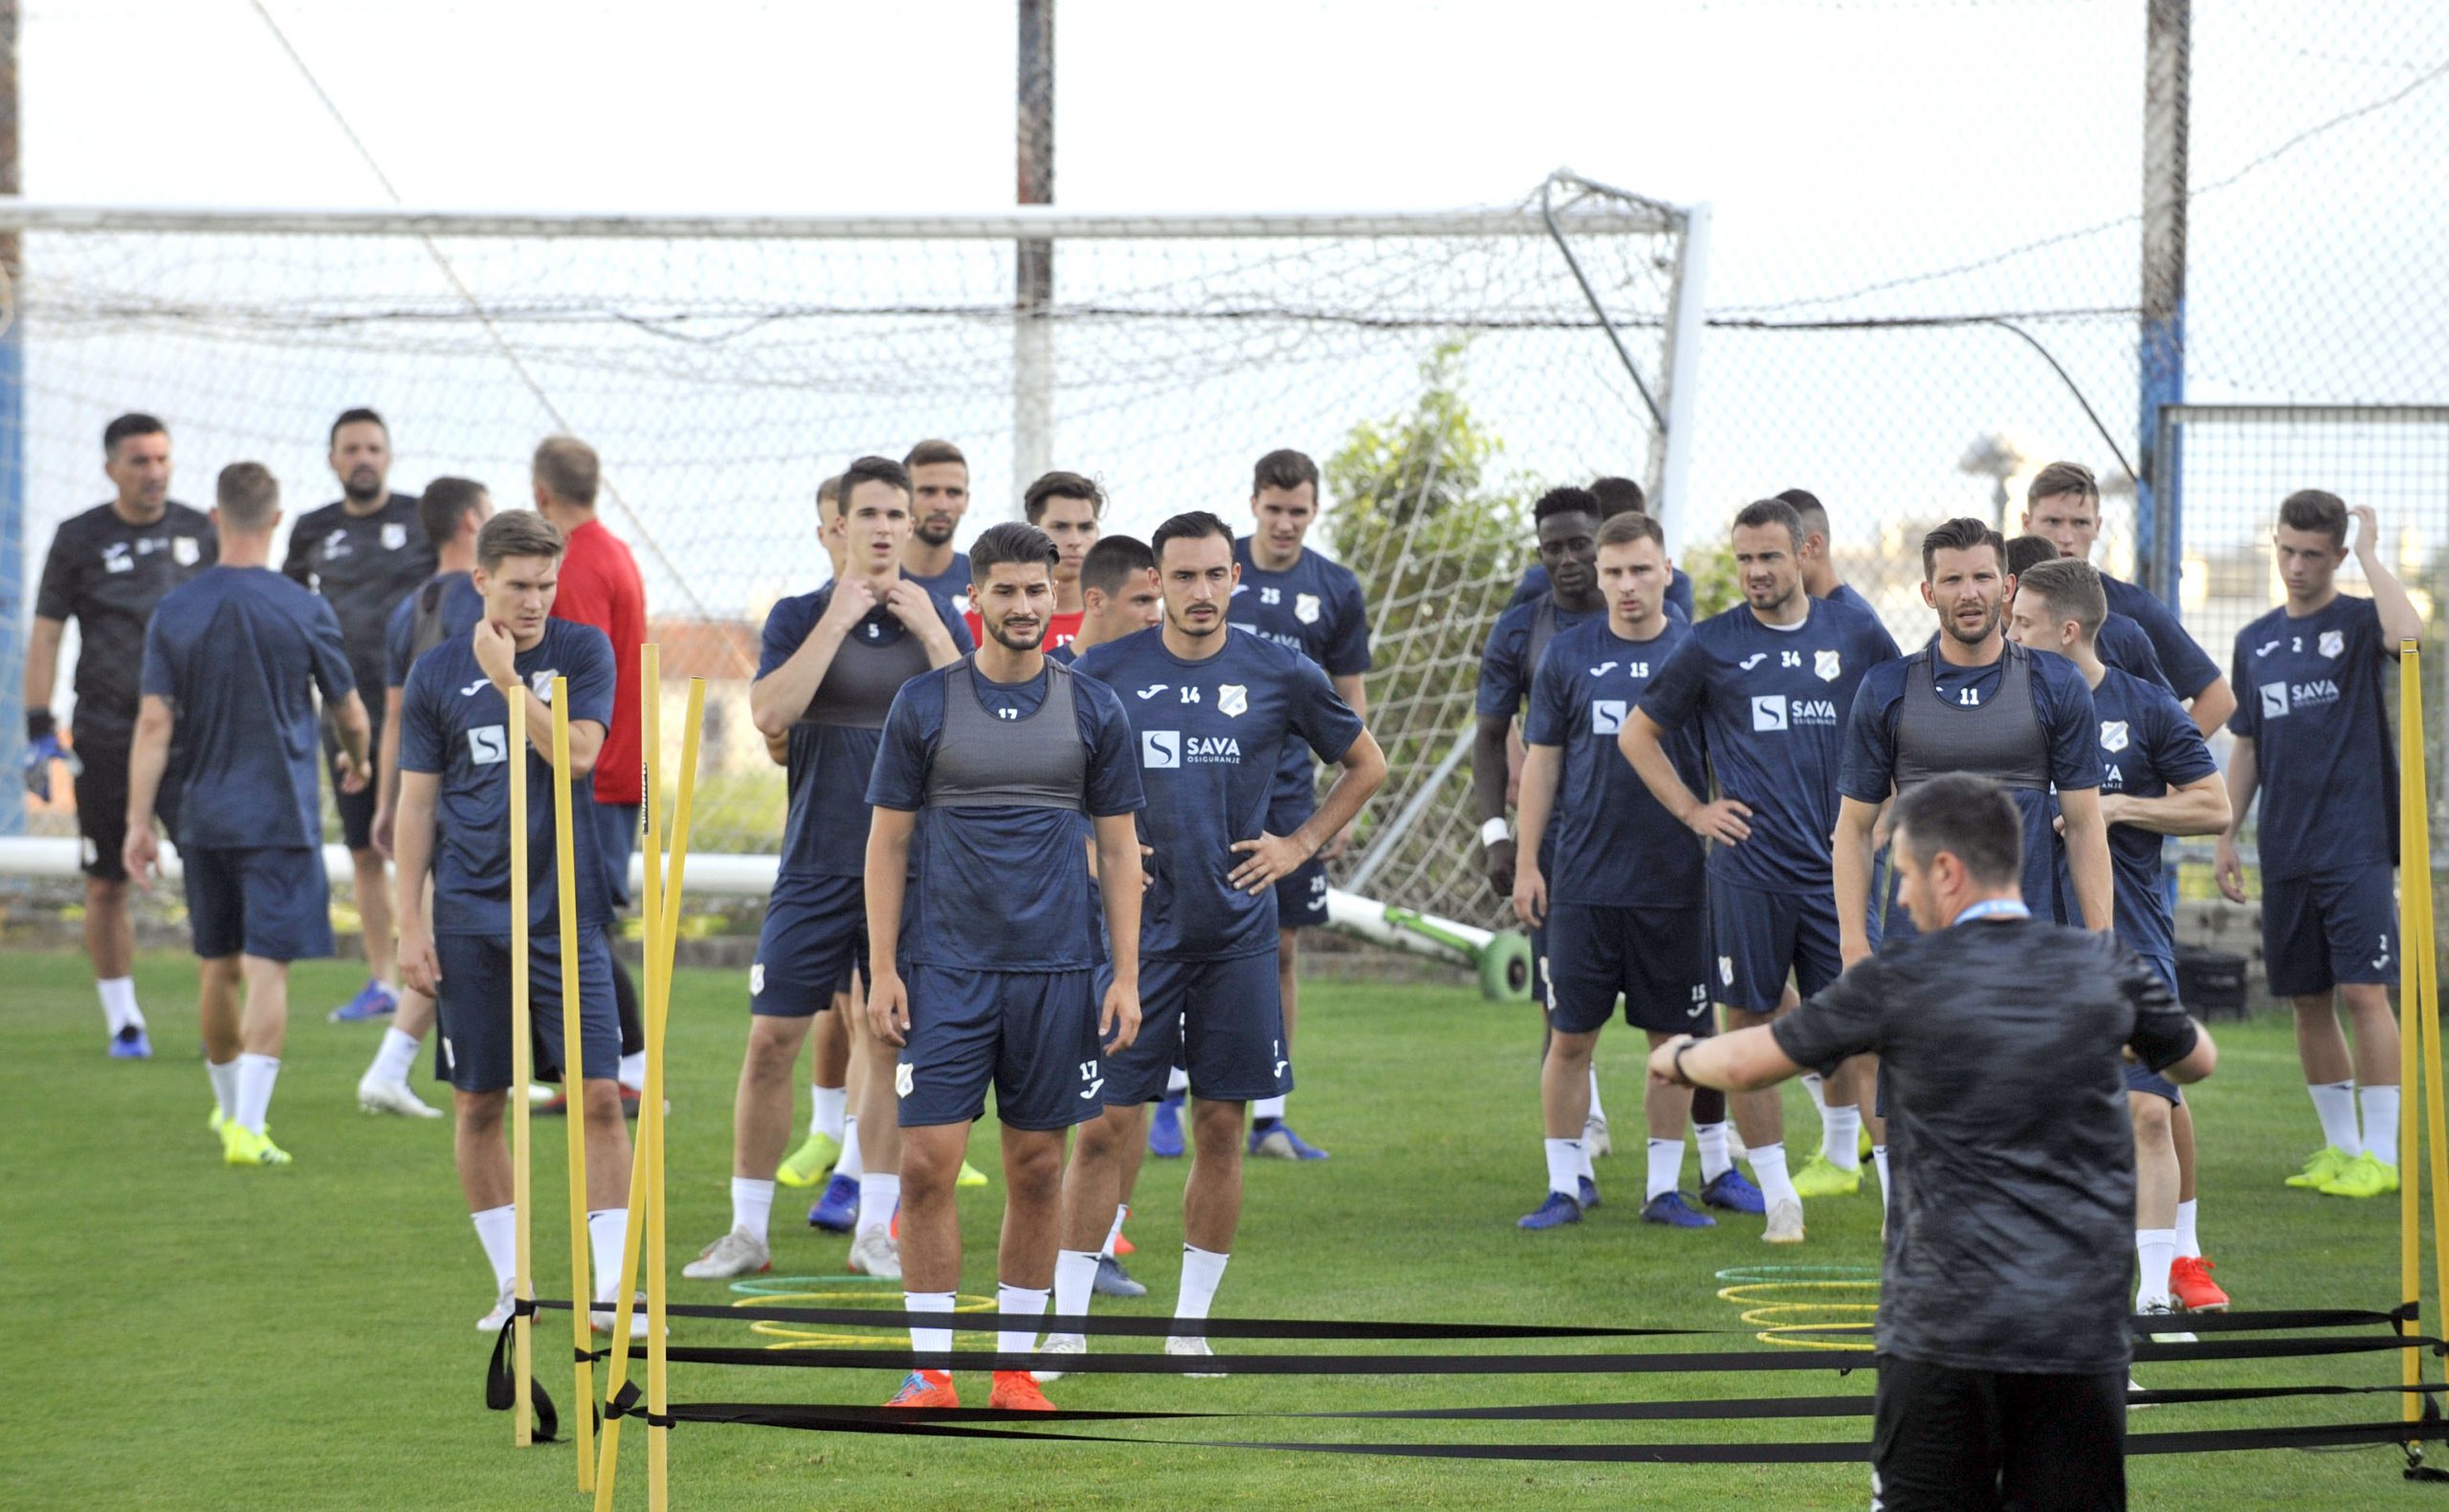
(119,1004)
(607,1235)
(1176,1082)
(1267,1108)
(1769,1170)
(1665,1165)
(1075,1282)
(1564,1167)
(2380,1122)
(1596,1111)
(2335,1103)
(879,1195)
(1019,1301)
(752,1204)
(2189,1247)
(1121,1212)
(1840,1133)
(225,1087)
(257,1074)
(498,1231)
(1812,1084)
(1711,1140)
(1588,1170)
(850,1164)
(397,1058)
(1203,1272)
(827,1117)
(2155,1250)
(1879,1158)
(929,1341)
(633,1070)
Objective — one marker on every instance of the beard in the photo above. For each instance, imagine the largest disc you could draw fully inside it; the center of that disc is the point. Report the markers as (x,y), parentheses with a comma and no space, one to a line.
(1989,623)
(934,535)
(363,485)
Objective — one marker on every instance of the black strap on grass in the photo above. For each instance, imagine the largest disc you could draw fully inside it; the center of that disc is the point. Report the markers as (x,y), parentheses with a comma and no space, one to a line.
(501,1387)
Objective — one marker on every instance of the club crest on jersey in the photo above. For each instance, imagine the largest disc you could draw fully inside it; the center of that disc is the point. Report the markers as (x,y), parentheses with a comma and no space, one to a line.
(1607,715)
(2333,643)
(1828,664)
(2113,734)
(1232,699)
(1304,607)
(394,536)
(185,551)
(542,681)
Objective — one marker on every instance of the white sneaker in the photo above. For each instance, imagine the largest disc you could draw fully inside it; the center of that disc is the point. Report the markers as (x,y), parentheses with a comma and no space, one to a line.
(379,1095)
(877,1253)
(1784,1225)
(1059,1343)
(738,1252)
(1196,1347)
(491,1321)
(1593,1137)
(607,1314)
(2164,1307)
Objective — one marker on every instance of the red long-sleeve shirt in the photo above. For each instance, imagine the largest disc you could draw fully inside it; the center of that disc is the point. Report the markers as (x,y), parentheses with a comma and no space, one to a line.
(600,586)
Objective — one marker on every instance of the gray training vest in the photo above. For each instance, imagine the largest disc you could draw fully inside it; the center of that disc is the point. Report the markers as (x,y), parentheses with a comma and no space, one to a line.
(857,689)
(2001,739)
(985,761)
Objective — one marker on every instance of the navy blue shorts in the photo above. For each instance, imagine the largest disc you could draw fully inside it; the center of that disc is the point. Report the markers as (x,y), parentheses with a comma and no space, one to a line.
(1657,959)
(1031,1035)
(356,809)
(815,932)
(1223,1021)
(1762,936)
(2328,929)
(473,1009)
(616,837)
(269,902)
(2141,1078)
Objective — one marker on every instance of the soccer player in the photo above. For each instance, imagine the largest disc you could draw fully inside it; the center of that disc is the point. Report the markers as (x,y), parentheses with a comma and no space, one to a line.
(1016,763)
(600,586)
(1615,496)
(1118,593)
(1972,702)
(1291,595)
(232,661)
(364,553)
(1772,682)
(940,482)
(1212,711)
(2121,643)
(452,512)
(2314,743)
(106,570)
(1622,914)
(832,662)
(1820,577)
(454,826)
(2157,779)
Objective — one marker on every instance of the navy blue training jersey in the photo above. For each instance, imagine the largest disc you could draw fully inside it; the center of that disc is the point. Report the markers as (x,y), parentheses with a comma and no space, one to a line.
(455,724)
(952,584)
(1313,606)
(460,608)
(1771,705)
(1506,664)
(2188,668)
(240,652)
(1615,846)
(833,744)
(1210,734)
(2308,696)
(1679,591)
(2122,644)
(1002,888)
(2149,745)
(1844,593)
(2060,703)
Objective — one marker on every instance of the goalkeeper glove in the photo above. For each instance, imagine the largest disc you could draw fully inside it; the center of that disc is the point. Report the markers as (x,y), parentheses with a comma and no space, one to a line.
(42,748)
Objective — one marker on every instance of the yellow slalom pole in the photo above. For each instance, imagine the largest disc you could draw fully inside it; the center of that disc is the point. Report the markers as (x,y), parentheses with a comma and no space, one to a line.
(522,1431)
(573,1089)
(658,1390)
(2421,983)
(2411,1031)
(617,1373)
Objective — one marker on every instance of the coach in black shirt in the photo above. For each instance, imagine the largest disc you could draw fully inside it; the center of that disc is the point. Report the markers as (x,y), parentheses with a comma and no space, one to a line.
(2003,1332)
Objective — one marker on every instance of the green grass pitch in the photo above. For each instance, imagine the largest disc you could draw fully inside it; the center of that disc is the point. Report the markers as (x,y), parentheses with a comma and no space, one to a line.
(192,1336)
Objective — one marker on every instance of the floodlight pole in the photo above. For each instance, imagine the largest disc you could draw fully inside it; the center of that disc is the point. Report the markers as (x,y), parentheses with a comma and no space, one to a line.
(1034,301)
(2167,106)
(13,456)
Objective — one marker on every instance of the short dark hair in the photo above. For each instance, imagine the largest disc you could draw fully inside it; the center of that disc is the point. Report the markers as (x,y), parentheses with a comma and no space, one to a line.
(1011,541)
(2072,590)
(2313,509)
(516,533)
(1970,818)
(126,426)
(829,491)
(2060,478)
(1285,468)
(248,497)
(2024,553)
(356,417)
(1062,486)
(1617,496)
(868,469)
(1566,501)
(1807,507)
(927,454)
(569,469)
(444,504)
(1190,525)
(1112,561)
(1762,513)
(1632,525)
(1961,534)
